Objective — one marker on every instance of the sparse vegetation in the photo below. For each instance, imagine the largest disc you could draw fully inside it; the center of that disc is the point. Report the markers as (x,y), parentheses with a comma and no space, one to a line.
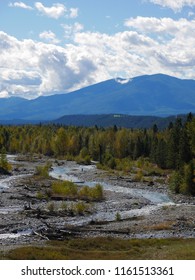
(51,207)
(64,189)
(67,189)
(4,164)
(108,249)
(43,171)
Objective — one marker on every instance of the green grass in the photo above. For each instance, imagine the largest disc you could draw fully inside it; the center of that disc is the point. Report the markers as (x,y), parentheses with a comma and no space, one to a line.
(108,249)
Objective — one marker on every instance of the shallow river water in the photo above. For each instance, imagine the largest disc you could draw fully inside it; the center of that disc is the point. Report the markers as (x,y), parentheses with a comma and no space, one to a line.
(155,198)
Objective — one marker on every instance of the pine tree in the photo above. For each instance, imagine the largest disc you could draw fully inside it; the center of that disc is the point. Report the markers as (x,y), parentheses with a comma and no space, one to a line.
(188,186)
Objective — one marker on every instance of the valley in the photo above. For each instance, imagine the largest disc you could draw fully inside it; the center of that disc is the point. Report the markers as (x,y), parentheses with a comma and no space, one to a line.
(128,210)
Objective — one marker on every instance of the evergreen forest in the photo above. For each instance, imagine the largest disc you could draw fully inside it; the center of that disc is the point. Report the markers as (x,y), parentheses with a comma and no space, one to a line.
(115,148)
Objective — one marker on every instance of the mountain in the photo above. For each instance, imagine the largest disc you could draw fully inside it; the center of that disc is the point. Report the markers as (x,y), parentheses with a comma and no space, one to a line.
(156,95)
(116,119)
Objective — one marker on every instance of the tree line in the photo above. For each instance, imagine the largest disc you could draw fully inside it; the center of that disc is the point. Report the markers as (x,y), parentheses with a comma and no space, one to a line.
(172,148)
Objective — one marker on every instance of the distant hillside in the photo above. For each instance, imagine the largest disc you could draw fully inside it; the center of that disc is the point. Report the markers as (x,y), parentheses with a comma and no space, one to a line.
(149,95)
(116,119)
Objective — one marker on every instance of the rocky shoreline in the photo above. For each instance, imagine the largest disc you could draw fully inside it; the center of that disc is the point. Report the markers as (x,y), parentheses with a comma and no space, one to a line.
(25,218)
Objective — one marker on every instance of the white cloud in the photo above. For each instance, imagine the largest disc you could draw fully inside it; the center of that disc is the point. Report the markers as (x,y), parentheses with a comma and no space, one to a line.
(30,69)
(20,5)
(56,11)
(191,14)
(73,12)
(151,45)
(49,36)
(176,5)
(71,29)
(162,26)
(123,81)
(4,94)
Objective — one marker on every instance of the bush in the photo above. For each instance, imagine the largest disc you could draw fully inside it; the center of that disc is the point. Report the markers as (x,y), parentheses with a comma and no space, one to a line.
(65,188)
(70,190)
(175,181)
(51,207)
(4,164)
(40,195)
(118,217)
(43,171)
(139,176)
(188,185)
(84,192)
(183,181)
(97,192)
(83,160)
(80,208)
(111,163)
(84,157)
(64,206)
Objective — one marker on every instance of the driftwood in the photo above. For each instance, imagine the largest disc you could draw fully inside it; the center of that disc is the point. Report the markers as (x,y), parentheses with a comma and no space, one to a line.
(40,235)
(57,234)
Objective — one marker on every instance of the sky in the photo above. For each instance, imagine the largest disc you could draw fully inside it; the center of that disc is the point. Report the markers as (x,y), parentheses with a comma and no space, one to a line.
(55,46)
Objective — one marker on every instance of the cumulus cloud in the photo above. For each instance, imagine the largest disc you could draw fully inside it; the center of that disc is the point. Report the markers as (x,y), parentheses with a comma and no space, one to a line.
(71,29)
(176,5)
(20,5)
(29,68)
(150,45)
(56,11)
(49,36)
(162,26)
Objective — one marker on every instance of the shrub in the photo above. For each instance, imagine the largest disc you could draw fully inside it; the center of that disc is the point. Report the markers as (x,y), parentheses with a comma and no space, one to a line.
(80,208)
(84,157)
(139,176)
(175,181)
(43,171)
(118,217)
(84,192)
(97,192)
(40,195)
(84,160)
(70,190)
(65,188)
(51,207)
(111,163)
(4,164)
(64,206)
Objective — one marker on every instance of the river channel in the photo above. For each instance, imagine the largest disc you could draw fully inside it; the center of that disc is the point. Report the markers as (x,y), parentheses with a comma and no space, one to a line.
(134,202)
(155,199)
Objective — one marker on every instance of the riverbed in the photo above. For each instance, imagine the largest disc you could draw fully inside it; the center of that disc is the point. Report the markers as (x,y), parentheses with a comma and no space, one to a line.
(129,209)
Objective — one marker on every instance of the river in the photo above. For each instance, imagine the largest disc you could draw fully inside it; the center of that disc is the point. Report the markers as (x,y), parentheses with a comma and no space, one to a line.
(120,197)
(156,200)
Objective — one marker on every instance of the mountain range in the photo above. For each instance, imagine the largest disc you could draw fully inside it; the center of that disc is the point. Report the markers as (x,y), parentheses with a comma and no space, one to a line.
(148,95)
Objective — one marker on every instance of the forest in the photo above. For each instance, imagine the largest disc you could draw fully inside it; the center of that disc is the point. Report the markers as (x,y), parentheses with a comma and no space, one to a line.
(115,148)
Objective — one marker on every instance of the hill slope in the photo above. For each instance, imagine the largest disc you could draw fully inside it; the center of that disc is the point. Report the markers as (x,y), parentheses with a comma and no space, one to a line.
(157,95)
(117,119)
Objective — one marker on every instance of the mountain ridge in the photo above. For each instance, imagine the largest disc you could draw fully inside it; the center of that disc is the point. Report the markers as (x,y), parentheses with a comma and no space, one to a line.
(147,95)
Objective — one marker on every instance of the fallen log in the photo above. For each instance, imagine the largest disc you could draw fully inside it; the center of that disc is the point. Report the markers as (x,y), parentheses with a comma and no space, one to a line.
(40,235)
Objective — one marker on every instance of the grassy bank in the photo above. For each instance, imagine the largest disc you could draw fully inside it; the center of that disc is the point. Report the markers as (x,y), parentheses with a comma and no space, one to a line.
(107,249)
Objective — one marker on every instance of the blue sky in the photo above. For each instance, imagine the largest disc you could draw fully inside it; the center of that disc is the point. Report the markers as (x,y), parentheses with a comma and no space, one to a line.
(49,47)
